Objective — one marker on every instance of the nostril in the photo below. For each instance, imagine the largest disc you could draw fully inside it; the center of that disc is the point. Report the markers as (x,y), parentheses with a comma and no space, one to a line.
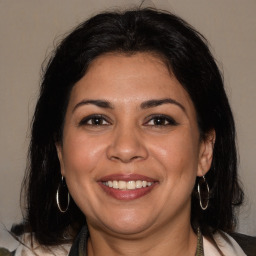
(136,157)
(125,159)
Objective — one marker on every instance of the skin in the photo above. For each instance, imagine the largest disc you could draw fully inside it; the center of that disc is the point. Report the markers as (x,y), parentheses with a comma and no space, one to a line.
(128,139)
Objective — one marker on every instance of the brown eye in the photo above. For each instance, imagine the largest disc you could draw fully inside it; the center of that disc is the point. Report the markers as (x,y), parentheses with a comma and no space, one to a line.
(95,120)
(161,120)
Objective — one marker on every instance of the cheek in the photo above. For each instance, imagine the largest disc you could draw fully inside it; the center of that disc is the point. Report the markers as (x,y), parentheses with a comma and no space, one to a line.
(81,156)
(178,154)
(81,159)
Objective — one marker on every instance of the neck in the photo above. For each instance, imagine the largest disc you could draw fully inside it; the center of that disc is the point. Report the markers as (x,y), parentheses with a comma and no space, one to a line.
(169,240)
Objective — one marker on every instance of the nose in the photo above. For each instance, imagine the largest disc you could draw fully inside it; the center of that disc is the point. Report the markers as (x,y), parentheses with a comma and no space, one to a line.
(127,146)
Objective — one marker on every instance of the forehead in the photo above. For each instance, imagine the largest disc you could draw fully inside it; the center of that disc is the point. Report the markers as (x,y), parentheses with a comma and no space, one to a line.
(124,79)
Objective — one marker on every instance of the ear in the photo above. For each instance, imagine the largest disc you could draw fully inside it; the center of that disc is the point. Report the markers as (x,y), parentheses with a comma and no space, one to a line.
(206,153)
(60,156)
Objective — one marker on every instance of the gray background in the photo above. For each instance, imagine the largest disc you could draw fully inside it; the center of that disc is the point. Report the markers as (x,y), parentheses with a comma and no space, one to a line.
(28,31)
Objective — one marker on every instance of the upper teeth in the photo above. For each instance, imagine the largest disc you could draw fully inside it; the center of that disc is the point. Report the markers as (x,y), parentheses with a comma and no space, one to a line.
(127,184)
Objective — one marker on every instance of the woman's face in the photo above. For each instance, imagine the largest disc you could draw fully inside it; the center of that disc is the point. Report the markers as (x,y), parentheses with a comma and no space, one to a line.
(131,149)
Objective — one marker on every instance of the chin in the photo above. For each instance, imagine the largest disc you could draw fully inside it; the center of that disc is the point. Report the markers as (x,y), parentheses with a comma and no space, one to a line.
(128,229)
(130,223)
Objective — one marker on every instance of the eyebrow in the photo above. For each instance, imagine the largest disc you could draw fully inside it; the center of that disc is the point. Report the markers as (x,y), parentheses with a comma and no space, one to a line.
(98,103)
(144,105)
(158,102)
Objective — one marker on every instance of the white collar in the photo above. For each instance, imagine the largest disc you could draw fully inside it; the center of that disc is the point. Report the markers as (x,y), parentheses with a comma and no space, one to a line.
(228,248)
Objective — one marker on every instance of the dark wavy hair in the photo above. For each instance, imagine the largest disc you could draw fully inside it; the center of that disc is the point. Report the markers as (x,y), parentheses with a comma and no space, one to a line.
(187,54)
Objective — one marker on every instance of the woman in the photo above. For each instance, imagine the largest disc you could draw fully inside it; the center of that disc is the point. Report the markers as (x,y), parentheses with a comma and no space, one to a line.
(128,154)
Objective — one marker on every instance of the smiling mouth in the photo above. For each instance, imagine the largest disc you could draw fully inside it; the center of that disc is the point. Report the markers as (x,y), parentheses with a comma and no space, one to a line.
(127,185)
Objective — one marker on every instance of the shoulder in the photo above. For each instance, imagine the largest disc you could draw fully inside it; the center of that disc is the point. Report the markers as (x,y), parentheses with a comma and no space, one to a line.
(227,245)
(29,247)
(248,243)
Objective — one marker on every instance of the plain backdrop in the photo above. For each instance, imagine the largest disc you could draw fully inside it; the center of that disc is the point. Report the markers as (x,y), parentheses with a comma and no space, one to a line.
(28,31)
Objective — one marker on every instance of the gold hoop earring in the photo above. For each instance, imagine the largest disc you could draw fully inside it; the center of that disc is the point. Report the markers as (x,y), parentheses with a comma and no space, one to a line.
(63,185)
(204,198)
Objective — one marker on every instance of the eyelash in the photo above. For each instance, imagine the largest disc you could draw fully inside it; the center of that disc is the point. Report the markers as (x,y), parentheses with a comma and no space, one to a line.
(93,118)
(168,121)
(103,121)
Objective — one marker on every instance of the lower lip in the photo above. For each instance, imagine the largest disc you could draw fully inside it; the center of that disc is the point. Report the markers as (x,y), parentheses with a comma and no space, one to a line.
(127,194)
